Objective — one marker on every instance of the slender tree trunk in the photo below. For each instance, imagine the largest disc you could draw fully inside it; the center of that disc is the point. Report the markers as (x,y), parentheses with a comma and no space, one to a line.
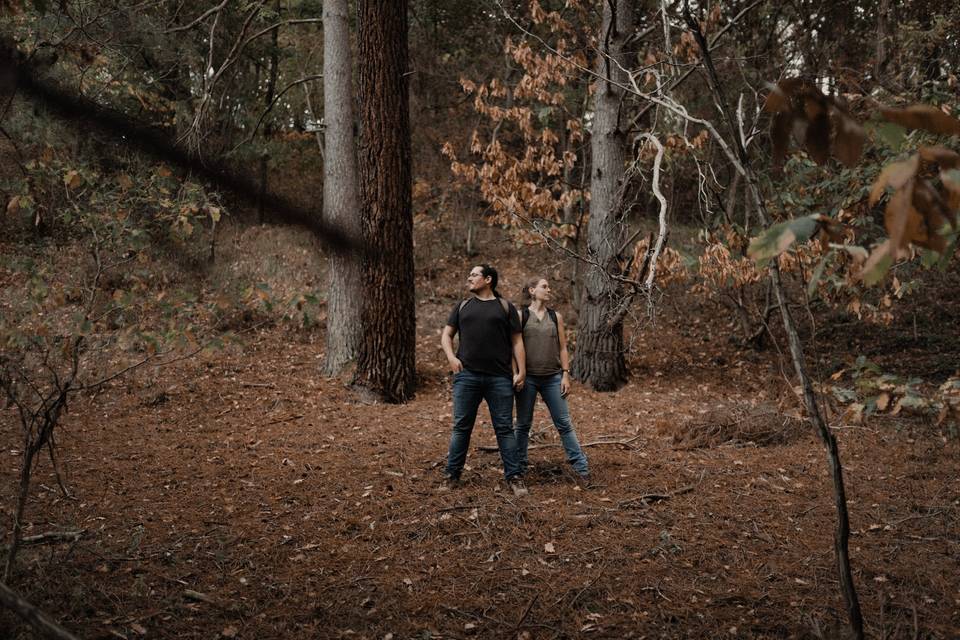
(385,365)
(883,17)
(599,358)
(841,533)
(29,451)
(341,200)
(268,128)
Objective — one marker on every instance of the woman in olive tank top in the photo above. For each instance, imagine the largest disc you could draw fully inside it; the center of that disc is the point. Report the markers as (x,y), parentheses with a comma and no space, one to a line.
(548,374)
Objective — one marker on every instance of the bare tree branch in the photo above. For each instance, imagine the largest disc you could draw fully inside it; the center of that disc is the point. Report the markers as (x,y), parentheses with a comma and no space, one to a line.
(206,14)
(44,626)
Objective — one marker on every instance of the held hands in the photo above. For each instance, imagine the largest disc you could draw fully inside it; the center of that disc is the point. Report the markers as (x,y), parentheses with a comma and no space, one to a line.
(455,365)
(518,380)
(565,385)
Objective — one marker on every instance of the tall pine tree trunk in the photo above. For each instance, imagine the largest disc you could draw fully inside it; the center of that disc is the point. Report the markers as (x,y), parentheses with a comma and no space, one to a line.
(341,200)
(385,365)
(599,358)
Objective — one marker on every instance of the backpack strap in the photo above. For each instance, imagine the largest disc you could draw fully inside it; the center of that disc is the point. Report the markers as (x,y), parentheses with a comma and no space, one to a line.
(524,317)
(556,323)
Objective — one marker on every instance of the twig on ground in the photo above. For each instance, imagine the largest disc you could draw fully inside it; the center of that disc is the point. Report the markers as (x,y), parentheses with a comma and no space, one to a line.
(649,498)
(586,586)
(526,611)
(594,443)
(51,537)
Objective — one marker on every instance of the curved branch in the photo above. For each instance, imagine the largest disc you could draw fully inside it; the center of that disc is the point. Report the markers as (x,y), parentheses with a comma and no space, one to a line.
(662,233)
(273,102)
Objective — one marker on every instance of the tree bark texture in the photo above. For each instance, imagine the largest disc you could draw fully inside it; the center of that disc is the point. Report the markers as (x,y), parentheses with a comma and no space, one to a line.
(599,358)
(341,199)
(385,365)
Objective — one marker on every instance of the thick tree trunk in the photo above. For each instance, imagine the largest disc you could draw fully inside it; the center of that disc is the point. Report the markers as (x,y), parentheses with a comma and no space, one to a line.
(599,358)
(341,200)
(385,365)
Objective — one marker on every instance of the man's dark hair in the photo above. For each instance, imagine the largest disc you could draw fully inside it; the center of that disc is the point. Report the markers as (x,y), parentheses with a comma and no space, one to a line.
(490,272)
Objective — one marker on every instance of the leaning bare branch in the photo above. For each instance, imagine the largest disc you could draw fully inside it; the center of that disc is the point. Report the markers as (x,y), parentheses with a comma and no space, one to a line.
(42,624)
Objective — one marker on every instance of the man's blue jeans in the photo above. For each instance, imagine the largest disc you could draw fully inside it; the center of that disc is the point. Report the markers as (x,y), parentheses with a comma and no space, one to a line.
(469,388)
(549,389)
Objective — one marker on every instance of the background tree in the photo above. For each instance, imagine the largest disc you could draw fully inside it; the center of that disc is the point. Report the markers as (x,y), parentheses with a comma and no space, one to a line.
(341,201)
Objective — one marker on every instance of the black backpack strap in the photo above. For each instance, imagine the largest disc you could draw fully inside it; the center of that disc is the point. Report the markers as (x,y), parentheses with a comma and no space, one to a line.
(556,323)
(524,316)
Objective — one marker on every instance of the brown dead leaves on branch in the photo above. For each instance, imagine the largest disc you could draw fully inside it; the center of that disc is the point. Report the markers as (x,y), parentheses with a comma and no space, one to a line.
(925,200)
(816,121)
(524,155)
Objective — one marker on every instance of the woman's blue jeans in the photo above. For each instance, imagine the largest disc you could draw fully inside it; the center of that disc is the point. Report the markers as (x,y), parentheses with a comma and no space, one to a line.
(549,389)
(469,388)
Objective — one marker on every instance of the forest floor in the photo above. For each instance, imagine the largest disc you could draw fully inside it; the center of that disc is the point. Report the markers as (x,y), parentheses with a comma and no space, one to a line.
(239,494)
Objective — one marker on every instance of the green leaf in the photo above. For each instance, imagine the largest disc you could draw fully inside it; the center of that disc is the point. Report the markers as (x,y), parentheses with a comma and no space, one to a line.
(929,258)
(891,134)
(877,271)
(778,238)
(950,250)
(878,264)
(843,394)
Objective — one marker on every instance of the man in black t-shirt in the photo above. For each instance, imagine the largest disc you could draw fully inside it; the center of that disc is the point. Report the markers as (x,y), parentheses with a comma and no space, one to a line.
(491,342)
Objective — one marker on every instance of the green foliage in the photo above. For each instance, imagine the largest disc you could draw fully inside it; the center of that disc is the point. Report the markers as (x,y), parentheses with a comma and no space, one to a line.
(878,392)
(890,134)
(778,238)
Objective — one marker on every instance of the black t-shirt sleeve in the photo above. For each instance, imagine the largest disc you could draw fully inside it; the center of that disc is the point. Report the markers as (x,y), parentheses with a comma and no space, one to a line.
(515,326)
(453,320)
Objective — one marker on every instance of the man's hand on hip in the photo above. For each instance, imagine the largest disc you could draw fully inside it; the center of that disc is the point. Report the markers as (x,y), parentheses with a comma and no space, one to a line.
(455,365)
